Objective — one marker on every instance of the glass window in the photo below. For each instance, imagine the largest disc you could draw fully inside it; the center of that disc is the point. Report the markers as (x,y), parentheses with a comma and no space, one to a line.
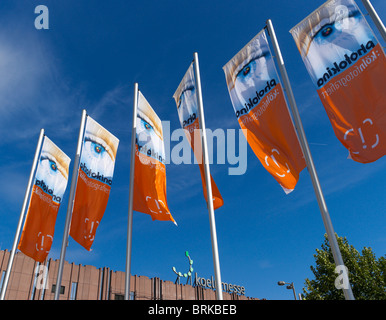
(74,287)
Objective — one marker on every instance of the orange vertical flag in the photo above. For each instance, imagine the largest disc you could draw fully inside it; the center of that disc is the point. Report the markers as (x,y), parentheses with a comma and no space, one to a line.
(186,100)
(150,171)
(258,100)
(94,182)
(47,194)
(348,67)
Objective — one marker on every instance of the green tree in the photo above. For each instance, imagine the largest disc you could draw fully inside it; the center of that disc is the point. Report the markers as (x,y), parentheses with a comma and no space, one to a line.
(367,274)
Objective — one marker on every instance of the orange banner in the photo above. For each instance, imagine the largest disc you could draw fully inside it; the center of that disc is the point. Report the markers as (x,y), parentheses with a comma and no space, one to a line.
(94,182)
(348,67)
(150,171)
(47,193)
(260,107)
(186,100)
(194,138)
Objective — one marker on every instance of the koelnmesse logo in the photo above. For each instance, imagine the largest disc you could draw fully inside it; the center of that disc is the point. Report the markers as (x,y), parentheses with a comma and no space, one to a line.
(206,283)
(211,284)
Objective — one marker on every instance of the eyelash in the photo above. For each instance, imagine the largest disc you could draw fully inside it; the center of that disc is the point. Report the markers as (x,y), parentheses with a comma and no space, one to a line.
(189,88)
(51,162)
(247,64)
(146,123)
(322,28)
(350,15)
(96,143)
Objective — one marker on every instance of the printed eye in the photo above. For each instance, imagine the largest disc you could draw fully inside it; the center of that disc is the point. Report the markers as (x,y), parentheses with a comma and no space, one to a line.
(49,163)
(147,126)
(53,165)
(326,31)
(188,92)
(343,20)
(246,70)
(94,146)
(98,148)
(252,66)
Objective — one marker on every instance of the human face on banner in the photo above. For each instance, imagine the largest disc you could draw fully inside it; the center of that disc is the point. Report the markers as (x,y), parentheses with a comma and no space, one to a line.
(252,72)
(259,104)
(186,99)
(99,151)
(149,131)
(52,171)
(47,194)
(187,108)
(333,34)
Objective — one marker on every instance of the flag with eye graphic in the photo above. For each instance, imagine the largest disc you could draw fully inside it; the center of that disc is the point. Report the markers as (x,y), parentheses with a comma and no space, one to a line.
(260,107)
(95,178)
(47,193)
(150,171)
(186,101)
(348,67)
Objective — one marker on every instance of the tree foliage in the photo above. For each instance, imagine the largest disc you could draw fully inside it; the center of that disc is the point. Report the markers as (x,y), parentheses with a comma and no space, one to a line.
(367,274)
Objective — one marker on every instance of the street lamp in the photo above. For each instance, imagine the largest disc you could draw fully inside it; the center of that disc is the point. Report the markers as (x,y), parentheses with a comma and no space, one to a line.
(290,286)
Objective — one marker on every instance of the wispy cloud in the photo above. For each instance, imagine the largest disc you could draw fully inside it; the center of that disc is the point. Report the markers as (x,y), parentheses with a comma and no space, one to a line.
(111,100)
(264,264)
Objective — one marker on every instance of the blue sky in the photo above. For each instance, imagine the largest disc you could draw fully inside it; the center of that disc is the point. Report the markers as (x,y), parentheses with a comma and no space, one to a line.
(90,58)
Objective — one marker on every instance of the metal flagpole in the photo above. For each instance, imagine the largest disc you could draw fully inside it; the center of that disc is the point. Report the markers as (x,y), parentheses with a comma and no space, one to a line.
(308,158)
(131,195)
(212,222)
(374,16)
(70,205)
(22,213)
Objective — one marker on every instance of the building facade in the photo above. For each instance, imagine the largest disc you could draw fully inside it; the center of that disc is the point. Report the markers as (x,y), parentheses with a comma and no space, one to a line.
(30,280)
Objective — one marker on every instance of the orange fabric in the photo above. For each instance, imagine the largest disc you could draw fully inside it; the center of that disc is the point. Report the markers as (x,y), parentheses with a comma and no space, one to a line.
(94,182)
(273,139)
(355,103)
(150,187)
(38,232)
(90,203)
(197,149)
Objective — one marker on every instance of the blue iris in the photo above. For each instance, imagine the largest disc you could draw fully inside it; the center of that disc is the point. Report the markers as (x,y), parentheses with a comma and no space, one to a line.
(147,126)
(97,148)
(246,70)
(326,31)
(53,165)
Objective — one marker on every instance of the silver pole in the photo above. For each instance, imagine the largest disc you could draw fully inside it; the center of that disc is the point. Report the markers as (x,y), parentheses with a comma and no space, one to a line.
(293,290)
(70,205)
(131,195)
(22,214)
(308,158)
(374,16)
(212,222)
